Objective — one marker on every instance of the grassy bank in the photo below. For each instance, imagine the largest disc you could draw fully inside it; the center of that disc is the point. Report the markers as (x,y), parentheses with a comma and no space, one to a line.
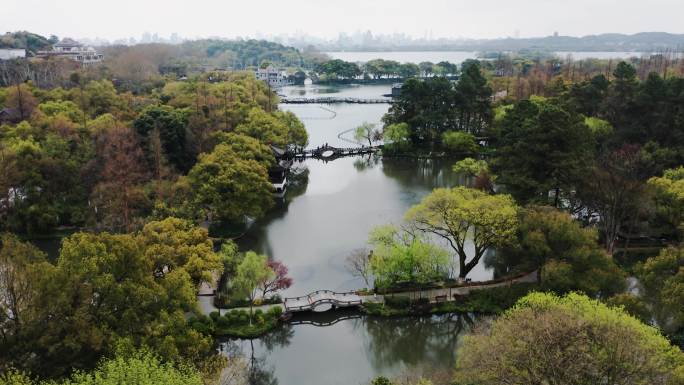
(236,323)
(484,301)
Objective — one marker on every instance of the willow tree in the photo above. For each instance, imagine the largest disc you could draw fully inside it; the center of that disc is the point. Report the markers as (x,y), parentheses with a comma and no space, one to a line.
(251,273)
(462,214)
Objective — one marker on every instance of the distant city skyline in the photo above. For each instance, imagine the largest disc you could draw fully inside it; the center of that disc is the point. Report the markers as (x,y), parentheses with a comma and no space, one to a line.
(451,19)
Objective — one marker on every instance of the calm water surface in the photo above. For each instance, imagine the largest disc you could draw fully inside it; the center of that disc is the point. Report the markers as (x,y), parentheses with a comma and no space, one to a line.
(331,206)
(354,351)
(328,212)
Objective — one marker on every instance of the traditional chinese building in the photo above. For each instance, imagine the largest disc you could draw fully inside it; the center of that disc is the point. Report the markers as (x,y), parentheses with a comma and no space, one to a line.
(73,50)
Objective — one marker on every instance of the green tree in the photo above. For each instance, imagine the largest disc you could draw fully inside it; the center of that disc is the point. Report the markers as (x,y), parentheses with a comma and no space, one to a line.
(460,142)
(83,306)
(669,200)
(279,129)
(401,257)
(426,68)
(620,109)
(566,255)
(396,136)
(23,269)
(171,124)
(588,96)
(176,243)
(473,97)
(337,69)
(251,273)
(138,368)
(568,340)
(296,132)
(632,305)
(663,280)
(408,70)
(460,215)
(471,167)
(542,148)
(15,377)
(246,147)
(427,106)
(225,187)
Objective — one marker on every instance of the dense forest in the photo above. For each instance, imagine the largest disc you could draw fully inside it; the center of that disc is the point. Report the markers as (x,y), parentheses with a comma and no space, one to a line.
(129,175)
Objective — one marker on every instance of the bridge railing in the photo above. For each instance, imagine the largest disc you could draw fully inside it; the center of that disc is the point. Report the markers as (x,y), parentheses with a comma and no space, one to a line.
(344,293)
(329,301)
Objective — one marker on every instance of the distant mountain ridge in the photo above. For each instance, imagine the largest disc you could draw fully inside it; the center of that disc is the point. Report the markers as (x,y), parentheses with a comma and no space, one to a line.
(639,42)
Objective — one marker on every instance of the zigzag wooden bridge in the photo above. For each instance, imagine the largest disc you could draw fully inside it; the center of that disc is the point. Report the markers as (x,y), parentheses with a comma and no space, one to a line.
(335,100)
(329,152)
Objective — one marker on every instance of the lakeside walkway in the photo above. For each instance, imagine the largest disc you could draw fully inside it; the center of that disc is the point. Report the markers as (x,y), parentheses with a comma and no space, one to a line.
(326,299)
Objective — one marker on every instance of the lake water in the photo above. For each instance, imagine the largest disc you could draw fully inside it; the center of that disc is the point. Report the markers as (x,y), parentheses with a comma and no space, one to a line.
(332,206)
(328,211)
(354,351)
(458,57)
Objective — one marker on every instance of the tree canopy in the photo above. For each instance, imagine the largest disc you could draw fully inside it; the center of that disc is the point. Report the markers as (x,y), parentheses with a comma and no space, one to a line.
(226,187)
(461,215)
(573,339)
(542,147)
(566,254)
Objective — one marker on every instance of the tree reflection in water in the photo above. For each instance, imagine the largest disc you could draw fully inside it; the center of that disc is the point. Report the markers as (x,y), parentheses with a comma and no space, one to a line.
(413,341)
(298,182)
(366,162)
(261,372)
(427,173)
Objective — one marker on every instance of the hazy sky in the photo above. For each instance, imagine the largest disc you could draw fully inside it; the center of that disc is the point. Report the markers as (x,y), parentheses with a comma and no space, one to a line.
(112,19)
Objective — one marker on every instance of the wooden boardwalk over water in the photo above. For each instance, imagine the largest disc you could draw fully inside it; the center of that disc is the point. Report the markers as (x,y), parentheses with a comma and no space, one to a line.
(335,100)
(329,152)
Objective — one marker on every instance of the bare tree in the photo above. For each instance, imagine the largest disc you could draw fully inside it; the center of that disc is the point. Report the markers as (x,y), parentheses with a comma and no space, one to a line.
(119,191)
(358,264)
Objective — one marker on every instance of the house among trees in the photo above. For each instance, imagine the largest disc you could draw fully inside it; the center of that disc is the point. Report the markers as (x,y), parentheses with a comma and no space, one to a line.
(272,76)
(9,115)
(73,50)
(278,173)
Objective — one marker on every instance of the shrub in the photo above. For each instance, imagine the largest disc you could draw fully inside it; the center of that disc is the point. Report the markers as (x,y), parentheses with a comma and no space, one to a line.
(460,142)
(223,322)
(381,381)
(398,301)
(214,315)
(275,311)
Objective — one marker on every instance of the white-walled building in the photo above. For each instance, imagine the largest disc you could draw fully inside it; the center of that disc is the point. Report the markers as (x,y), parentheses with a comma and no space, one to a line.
(273,77)
(12,53)
(73,50)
